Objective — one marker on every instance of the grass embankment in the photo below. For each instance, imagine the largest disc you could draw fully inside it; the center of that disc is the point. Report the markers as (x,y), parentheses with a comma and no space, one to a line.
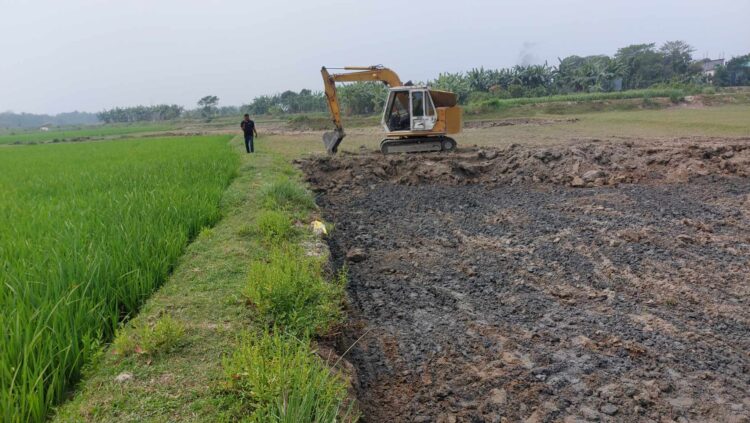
(244,306)
(82,133)
(497,104)
(90,231)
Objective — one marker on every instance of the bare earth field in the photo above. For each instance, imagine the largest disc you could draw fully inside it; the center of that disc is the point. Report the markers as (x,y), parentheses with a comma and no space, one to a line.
(588,281)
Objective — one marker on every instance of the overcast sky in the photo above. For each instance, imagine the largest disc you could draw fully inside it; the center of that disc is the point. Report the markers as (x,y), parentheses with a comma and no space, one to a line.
(88,55)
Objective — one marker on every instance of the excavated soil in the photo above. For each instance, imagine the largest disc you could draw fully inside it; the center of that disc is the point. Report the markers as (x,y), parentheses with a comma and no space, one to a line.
(593,282)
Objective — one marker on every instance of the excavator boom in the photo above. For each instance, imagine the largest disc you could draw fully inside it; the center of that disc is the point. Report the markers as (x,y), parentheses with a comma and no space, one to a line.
(356,74)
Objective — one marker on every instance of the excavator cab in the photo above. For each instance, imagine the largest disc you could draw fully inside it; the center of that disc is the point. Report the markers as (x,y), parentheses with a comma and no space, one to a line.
(409,109)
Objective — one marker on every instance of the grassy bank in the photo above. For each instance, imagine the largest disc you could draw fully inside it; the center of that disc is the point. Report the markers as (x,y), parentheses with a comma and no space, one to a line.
(230,336)
(619,95)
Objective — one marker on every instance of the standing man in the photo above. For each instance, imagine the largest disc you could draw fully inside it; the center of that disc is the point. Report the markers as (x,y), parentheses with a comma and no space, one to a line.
(248,127)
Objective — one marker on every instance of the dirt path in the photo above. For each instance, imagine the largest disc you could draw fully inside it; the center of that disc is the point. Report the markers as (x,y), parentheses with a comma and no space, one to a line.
(490,297)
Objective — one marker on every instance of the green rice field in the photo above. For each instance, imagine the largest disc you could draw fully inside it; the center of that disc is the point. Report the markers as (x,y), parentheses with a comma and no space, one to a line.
(89,231)
(77,134)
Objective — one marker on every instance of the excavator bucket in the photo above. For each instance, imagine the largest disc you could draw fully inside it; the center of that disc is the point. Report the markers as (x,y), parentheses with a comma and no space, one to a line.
(333,139)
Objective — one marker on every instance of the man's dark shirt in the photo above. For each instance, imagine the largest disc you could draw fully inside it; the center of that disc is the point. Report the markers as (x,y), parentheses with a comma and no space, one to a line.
(247,126)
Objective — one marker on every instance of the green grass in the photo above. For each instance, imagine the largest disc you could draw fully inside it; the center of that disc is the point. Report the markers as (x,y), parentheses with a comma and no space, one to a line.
(288,195)
(287,287)
(729,120)
(288,291)
(81,134)
(498,104)
(151,339)
(276,378)
(275,226)
(94,229)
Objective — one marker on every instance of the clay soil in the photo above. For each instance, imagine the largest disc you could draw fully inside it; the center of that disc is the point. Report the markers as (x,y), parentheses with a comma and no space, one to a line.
(589,282)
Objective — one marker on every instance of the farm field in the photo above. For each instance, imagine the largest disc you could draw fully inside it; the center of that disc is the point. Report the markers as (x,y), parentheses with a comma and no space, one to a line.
(90,231)
(80,134)
(533,128)
(512,316)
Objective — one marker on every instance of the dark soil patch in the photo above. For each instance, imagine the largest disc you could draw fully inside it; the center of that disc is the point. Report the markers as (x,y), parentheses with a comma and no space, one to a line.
(483,124)
(505,299)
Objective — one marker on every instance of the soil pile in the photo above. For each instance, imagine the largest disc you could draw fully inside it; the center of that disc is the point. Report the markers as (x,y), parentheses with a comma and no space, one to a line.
(581,165)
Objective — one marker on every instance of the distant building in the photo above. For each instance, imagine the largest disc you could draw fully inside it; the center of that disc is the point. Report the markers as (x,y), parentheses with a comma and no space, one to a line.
(617,84)
(709,66)
(44,129)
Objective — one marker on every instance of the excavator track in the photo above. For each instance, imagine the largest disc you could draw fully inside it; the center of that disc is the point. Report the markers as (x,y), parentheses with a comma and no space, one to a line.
(417,145)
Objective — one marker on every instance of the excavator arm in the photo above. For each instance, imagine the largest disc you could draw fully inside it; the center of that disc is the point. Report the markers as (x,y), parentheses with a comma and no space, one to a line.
(358,73)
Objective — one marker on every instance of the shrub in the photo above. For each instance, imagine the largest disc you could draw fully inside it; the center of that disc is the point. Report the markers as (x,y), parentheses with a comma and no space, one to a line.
(279,379)
(246,230)
(288,290)
(206,232)
(516,90)
(274,226)
(648,102)
(155,339)
(307,123)
(536,92)
(478,96)
(285,194)
(163,336)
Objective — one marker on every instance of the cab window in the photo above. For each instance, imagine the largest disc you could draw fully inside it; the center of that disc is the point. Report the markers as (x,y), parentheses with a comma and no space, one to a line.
(429,107)
(417,104)
(397,117)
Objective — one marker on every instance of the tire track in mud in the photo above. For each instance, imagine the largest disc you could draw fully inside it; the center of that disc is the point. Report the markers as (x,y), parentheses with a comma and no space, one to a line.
(495,302)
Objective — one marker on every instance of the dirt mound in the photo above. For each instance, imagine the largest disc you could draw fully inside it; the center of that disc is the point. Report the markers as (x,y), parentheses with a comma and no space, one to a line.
(581,165)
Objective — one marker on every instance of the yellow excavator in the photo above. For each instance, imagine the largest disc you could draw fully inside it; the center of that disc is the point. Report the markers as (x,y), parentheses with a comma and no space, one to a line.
(416,119)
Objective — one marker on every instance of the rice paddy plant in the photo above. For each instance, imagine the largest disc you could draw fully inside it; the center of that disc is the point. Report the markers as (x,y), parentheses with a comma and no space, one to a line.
(277,378)
(88,232)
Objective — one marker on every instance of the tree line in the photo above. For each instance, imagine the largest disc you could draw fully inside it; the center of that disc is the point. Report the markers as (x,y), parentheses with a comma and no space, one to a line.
(736,72)
(29,120)
(635,66)
(158,112)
